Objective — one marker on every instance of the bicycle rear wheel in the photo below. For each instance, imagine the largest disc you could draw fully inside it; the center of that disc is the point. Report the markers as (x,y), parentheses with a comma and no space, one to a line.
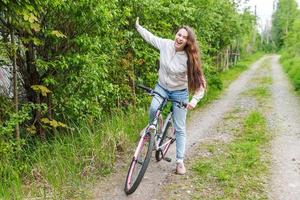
(139,163)
(167,138)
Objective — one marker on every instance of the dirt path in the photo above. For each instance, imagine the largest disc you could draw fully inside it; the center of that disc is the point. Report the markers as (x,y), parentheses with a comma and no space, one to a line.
(285,171)
(285,179)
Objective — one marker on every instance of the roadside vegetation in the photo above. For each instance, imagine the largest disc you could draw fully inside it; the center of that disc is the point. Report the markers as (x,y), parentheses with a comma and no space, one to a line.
(286,33)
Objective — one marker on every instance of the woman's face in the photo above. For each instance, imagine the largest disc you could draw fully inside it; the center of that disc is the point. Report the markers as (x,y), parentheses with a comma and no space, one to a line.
(181,39)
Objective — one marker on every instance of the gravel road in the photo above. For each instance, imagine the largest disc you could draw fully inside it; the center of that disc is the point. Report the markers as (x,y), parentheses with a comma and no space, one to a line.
(285,169)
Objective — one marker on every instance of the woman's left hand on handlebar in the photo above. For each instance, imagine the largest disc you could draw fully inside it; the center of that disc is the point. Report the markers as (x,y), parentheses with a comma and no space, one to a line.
(190,106)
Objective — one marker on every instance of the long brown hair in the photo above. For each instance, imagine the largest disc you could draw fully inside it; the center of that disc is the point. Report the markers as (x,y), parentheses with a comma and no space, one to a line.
(195,74)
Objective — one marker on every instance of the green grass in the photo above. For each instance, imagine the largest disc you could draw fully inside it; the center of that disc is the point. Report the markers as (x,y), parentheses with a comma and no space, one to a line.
(259,92)
(66,167)
(291,62)
(10,181)
(262,83)
(266,80)
(235,170)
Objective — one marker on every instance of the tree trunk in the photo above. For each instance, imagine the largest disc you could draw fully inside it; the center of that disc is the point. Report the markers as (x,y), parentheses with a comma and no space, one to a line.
(32,77)
(226,59)
(38,125)
(15,80)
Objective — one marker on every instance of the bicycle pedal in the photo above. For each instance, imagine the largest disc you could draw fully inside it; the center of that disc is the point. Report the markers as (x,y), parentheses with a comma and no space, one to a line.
(167,159)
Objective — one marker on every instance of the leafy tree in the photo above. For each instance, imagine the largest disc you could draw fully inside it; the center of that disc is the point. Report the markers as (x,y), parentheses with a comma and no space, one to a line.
(282,20)
(291,53)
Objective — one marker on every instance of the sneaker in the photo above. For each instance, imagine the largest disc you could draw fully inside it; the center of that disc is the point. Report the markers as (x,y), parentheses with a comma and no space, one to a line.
(180,169)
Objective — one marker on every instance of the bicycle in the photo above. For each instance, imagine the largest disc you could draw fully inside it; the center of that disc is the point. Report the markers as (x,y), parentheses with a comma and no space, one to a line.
(158,135)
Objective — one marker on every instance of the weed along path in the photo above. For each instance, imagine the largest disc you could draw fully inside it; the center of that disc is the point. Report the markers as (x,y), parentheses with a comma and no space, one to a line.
(232,151)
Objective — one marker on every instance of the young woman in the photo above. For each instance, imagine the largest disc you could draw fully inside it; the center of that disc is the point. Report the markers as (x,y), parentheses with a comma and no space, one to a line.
(179,73)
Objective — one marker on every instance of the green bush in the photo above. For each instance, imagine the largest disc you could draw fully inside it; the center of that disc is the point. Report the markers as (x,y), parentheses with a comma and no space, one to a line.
(291,55)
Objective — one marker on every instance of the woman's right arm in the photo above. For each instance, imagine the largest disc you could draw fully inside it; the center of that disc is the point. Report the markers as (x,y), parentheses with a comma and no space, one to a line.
(155,41)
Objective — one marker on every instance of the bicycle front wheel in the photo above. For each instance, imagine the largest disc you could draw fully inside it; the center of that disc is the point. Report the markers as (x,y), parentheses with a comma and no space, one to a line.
(139,163)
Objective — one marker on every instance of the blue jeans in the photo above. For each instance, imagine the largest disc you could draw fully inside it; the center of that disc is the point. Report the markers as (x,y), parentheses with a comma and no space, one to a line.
(179,115)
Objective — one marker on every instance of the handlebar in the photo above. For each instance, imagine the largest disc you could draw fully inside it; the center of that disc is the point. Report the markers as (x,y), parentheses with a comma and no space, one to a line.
(152,92)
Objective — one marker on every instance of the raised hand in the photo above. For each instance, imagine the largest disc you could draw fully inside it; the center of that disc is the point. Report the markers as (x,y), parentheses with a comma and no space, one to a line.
(137,23)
